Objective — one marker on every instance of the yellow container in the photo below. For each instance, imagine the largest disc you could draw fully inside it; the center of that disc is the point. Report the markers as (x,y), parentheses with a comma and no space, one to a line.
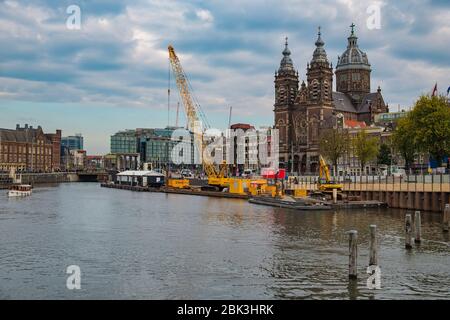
(219,182)
(300,193)
(272,190)
(257,187)
(239,186)
(178,183)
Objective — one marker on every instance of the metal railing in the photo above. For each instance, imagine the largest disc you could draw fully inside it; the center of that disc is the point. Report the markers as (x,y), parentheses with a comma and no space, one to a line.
(407,183)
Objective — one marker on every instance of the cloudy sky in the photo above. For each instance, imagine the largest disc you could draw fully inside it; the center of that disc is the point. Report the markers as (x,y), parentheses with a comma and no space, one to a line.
(112,74)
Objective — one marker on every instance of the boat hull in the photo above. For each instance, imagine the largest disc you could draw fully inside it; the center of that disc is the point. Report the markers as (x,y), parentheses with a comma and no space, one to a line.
(15,193)
(288,204)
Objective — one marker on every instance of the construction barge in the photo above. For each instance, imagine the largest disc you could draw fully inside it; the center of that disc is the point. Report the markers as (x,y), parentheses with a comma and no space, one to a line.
(287,202)
(191,192)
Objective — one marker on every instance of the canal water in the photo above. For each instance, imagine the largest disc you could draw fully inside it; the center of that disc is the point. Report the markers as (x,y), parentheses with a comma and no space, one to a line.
(132,245)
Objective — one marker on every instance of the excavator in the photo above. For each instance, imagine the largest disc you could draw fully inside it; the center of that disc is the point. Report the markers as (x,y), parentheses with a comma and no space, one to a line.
(325,184)
(217,177)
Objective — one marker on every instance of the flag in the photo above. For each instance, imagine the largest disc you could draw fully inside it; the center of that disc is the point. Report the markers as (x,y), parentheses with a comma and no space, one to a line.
(433,94)
(448,91)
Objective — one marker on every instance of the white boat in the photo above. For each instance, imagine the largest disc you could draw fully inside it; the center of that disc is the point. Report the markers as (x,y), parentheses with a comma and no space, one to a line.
(21,190)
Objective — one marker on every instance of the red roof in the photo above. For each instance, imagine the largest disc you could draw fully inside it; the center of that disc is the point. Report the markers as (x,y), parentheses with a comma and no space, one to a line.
(355,124)
(243,126)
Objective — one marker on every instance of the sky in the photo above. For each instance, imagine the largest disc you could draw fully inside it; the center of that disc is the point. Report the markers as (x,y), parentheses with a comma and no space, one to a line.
(113,72)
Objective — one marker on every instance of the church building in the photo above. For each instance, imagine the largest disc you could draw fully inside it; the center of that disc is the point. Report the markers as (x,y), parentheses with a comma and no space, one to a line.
(303,110)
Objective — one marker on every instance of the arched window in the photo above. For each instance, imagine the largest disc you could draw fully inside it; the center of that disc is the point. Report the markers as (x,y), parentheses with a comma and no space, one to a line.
(326,89)
(315,89)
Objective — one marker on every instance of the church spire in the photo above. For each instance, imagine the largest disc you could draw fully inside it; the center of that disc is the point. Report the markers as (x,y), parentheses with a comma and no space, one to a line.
(319,54)
(319,42)
(286,64)
(353,39)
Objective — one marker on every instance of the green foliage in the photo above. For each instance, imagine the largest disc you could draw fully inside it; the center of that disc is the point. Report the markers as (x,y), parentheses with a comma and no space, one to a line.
(430,122)
(404,139)
(384,154)
(365,147)
(426,129)
(333,145)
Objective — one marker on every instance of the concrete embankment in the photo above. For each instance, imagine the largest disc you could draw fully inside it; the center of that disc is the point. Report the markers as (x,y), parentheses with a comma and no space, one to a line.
(39,178)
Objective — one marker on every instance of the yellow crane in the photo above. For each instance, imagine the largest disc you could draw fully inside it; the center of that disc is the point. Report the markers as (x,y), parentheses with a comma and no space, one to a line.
(216,178)
(325,184)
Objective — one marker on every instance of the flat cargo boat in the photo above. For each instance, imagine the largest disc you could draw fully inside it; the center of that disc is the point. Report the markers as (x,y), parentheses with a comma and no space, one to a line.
(21,190)
(290,203)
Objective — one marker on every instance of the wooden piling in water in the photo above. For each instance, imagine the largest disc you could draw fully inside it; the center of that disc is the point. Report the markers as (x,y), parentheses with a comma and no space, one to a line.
(373,246)
(408,231)
(353,254)
(418,227)
(446,218)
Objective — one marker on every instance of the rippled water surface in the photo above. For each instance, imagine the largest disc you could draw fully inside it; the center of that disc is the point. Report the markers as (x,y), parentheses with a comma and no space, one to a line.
(133,245)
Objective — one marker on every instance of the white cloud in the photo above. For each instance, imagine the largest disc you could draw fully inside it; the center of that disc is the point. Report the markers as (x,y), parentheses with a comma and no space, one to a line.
(205,15)
(230,51)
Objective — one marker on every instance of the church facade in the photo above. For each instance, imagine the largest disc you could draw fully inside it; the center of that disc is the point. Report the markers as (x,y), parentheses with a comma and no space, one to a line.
(303,110)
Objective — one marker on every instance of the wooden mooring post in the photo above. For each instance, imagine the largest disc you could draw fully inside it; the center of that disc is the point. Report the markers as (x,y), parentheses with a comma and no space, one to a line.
(446,218)
(373,246)
(353,254)
(418,227)
(408,232)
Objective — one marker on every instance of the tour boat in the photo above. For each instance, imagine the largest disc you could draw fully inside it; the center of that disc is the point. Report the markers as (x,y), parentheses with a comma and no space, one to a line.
(21,190)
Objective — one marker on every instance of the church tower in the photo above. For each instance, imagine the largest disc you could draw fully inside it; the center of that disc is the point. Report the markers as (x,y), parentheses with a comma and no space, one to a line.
(286,80)
(320,76)
(353,71)
(286,88)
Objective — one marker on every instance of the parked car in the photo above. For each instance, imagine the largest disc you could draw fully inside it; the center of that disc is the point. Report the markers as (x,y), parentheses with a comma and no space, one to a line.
(248,173)
(186,173)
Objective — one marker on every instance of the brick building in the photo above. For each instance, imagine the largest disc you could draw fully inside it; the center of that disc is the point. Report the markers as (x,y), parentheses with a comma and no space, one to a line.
(30,149)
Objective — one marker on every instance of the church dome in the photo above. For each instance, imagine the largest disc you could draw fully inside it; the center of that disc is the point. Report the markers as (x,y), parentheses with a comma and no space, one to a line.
(353,57)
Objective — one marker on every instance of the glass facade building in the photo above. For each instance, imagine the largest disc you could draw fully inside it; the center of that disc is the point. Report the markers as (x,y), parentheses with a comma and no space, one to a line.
(124,142)
(153,145)
(72,142)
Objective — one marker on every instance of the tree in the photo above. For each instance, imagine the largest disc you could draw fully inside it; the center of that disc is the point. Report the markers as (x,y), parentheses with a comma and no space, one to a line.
(333,145)
(365,148)
(385,155)
(404,139)
(430,121)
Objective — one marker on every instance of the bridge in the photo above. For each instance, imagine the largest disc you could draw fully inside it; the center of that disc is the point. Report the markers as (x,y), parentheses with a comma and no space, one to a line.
(93,176)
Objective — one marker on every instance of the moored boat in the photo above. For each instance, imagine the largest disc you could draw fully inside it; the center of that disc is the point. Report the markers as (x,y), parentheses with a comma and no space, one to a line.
(290,203)
(21,190)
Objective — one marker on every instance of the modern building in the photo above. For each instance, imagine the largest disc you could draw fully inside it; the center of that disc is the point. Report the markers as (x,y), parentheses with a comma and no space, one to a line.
(78,159)
(153,145)
(30,149)
(303,112)
(124,142)
(73,142)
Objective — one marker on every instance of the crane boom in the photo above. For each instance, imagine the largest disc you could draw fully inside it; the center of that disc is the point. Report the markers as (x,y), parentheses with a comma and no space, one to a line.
(192,116)
(183,87)
(324,174)
(323,170)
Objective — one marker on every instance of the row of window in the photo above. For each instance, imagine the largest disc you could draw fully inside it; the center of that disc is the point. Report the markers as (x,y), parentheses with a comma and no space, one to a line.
(13,149)
(13,158)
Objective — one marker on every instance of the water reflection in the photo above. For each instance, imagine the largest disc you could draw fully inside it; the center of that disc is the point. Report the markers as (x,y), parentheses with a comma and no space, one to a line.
(147,246)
